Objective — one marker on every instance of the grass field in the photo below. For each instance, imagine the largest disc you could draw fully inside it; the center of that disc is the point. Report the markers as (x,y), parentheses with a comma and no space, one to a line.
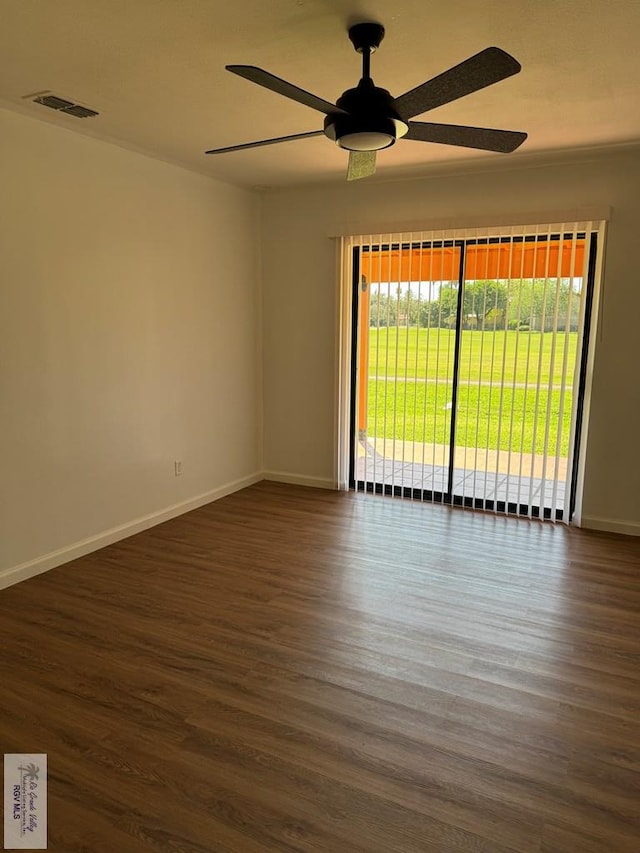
(418,411)
(411,410)
(428,354)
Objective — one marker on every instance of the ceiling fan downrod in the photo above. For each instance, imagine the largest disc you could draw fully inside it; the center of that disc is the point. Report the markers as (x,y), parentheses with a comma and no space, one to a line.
(366,40)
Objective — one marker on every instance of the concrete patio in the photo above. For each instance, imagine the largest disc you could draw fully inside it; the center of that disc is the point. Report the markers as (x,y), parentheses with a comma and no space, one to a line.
(484,474)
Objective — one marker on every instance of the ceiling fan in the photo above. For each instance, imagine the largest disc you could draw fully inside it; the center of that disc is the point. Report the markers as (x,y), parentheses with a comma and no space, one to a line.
(367,119)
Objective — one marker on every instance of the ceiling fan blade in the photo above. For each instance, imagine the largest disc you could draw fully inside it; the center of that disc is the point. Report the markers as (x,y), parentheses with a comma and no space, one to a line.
(265,142)
(362,164)
(489,66)
(281,87)
(486,138)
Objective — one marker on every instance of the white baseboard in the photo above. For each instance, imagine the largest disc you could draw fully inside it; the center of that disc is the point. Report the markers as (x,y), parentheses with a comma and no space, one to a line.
(299,480)
(21,572)
(610,525)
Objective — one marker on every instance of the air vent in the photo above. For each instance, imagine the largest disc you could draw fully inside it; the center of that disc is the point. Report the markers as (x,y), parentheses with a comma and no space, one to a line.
(64,106)
(79,112)
(53,102)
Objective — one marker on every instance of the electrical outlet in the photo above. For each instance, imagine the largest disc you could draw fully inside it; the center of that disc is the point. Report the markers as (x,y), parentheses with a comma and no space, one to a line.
(177,467)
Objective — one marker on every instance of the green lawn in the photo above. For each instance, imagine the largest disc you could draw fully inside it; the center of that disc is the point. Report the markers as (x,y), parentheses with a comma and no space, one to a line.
(420,411)
(428,354)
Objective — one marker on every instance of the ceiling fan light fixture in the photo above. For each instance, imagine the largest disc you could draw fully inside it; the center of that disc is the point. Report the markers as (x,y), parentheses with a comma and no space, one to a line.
(363,133)
(366,140)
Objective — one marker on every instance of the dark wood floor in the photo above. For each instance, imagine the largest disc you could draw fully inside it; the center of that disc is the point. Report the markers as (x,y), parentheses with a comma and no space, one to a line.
(294,669)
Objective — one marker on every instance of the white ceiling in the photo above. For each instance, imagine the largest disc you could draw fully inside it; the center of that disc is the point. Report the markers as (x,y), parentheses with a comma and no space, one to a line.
(154,69)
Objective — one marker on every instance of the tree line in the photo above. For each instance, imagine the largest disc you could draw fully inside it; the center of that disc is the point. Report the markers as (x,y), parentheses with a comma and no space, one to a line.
(534,304)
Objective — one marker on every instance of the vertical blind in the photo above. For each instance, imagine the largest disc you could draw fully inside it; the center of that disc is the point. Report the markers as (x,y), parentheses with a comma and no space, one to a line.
(467,364)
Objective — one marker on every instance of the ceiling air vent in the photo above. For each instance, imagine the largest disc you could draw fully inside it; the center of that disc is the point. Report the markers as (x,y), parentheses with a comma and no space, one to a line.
(53,102)
(79,112)
(64,106)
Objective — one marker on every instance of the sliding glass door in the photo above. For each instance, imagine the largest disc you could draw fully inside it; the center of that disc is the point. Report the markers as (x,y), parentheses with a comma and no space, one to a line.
(467,366)
(406,358)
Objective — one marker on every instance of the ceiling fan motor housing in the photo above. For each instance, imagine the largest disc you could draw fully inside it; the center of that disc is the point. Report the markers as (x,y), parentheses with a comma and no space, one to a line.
(369,121)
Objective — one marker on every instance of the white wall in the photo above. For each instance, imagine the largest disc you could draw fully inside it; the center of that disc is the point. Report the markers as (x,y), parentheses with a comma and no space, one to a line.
(299,293)
(129,338)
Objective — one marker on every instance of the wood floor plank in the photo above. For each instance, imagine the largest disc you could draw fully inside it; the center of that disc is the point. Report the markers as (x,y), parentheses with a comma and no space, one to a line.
(408,772)
(294,669)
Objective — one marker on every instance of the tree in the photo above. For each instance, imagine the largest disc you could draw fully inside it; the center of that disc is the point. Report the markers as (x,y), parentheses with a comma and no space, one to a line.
(447,305)
(485,302)
(538,304)
(383,310)
(544,304)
